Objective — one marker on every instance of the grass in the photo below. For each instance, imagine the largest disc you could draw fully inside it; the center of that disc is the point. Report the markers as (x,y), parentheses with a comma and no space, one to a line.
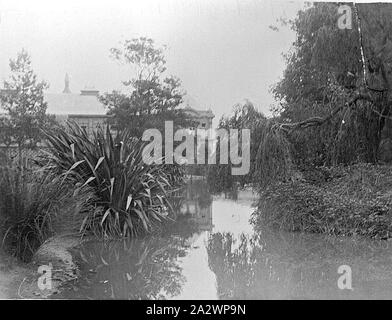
(35,205)
(354,200)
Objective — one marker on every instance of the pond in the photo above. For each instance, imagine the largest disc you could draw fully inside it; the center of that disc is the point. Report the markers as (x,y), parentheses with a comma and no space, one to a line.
(213,252)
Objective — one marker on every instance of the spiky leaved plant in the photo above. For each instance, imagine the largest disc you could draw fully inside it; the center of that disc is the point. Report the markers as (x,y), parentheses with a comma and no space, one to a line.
(133,195)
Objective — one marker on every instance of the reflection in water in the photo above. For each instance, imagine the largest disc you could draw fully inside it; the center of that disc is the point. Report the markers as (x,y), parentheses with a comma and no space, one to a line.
(144,268)
(212,252)
(138,269)
(197,204)
(147,268)
(274,265)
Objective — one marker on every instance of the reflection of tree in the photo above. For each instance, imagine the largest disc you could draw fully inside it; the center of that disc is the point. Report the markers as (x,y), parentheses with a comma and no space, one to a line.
(137,269)
(231,266)
(273,265)
(193,190)
(232,193)
(198,190)
(184,226)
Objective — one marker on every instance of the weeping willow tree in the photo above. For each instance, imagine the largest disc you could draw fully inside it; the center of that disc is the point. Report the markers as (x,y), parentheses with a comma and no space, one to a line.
(335,94)
(243,116)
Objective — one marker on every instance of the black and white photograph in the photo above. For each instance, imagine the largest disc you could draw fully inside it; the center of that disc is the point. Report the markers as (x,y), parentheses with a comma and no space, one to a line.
(209,151)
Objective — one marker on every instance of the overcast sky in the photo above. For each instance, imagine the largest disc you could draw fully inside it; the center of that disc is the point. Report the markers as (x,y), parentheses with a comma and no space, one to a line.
(222,50)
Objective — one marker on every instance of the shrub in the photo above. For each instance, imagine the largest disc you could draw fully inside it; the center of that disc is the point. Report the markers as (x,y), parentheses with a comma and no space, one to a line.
(354,201)
(34,206)
(131,194)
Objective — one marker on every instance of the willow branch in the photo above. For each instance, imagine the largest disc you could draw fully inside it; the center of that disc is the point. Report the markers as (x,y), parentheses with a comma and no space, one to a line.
(317,121)
(381,115)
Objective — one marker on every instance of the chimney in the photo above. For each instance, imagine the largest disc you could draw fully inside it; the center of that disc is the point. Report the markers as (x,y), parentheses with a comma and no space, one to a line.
(66,84)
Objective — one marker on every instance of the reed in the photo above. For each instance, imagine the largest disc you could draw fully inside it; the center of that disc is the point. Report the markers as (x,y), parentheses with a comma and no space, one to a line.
(35,205)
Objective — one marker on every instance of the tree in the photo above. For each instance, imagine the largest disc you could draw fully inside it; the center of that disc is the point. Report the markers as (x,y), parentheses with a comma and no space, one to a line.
(336,85)
(153,97)
(23,101)
(243,116)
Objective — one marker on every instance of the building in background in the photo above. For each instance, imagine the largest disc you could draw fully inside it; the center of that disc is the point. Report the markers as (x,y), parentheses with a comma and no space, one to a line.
(203,118)
(86,110)
(83,108)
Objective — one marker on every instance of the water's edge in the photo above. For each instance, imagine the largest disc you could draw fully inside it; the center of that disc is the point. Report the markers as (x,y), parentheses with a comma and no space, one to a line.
(55,255)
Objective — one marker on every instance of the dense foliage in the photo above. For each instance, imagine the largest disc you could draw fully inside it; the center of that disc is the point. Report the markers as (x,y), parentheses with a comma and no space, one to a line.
(334,106)
(324,70)
(333,98)
(133,196)
(346,201)
(35,206)
(244,116)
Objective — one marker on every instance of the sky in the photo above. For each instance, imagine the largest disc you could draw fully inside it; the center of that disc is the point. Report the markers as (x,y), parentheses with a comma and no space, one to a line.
(223,50)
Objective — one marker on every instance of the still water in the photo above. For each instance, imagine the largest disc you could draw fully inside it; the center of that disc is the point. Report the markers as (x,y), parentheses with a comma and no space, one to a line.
(212,252)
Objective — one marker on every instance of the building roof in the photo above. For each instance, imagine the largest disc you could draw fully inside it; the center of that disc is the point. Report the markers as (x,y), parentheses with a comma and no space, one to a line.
(73,103)
(90,116)
(199,113)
